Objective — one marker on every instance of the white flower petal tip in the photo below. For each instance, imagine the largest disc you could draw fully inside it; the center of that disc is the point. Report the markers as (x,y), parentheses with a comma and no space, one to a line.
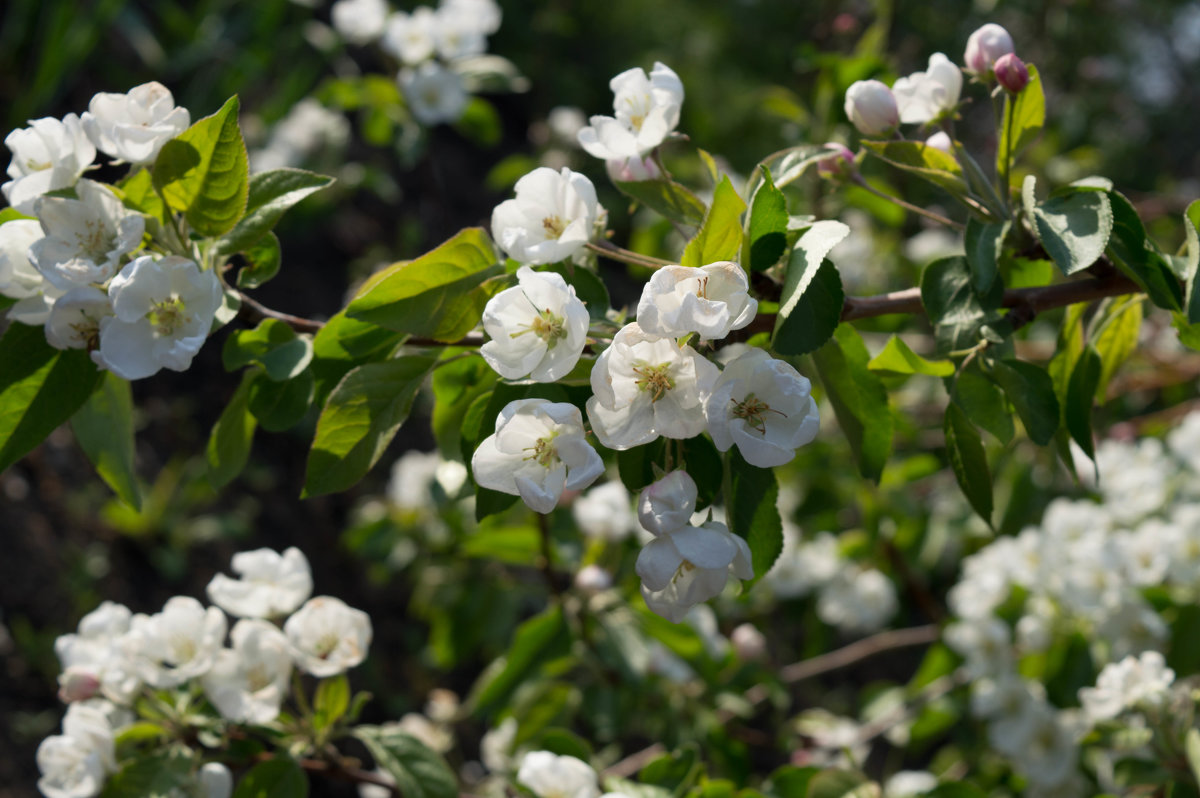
(647,111)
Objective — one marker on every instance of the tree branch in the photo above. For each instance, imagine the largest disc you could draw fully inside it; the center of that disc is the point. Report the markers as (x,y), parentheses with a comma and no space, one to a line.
(254,311)
(858,651)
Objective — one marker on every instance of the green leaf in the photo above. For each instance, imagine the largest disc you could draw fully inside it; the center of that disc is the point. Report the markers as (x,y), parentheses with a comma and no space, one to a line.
(480,123)
(588,287)
(439,295)
(12,215)
(262,261)
(859,399)
(531,644)
(455,386)
(953,307)
(137,193)
(1031,391)
(752,512)
(720,236)
(918,158)
(359,420)
(897,358)
(672,200)
(228,446)
(1191,268)
(1117,337)
(344,343)
(983,402)
(104,429)
(787,166)
(841,784)
(1081,391)
(279,777)
(419,771)
(273,345)
(203,172)
(279,406)
(1134,255)
(766,234)
(1074,227)
(270,194)
(40,388)
(331,701)
(964,450)
(157,775)
(810,306)
(1191,744)
(1027,113)
(984,243)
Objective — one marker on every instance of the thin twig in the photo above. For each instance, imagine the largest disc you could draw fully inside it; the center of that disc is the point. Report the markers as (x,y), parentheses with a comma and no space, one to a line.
(613,252)
(635,761)
(861,181)
(858,651)
(254,311)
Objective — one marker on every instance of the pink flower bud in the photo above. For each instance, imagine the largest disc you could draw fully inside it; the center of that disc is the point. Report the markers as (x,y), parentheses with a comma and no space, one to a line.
(593,579)
(871,106)
(838,165)
(749,643)
(77,684)
(985,46)
(1012,73)
(631,170)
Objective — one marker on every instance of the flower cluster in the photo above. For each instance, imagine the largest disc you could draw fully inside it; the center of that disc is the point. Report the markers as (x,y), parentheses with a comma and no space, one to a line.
(82,266)
(117,657)
(434,47)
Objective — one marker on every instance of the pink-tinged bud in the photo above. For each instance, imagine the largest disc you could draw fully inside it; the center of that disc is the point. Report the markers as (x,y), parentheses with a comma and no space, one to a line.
(632,170)
(667,505)
(593,579)
(838,165)
(871,106)
(749,643)
(940,141)
(985,46)
(1012,73)
(77,684)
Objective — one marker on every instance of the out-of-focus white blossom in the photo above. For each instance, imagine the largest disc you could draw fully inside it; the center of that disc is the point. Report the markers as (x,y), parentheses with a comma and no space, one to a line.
(605,512)
(68,769)
(538,451)
(550,219)
(177,644)
(411,37)
(647,111)
(485,15)
(495,748)
(214,781)
(925,96)
(249,682)
(549,775)
(457,34)
(909,784)
(565,122)
(86,238)
(47,156)
(434,735)
(1134,478)
(538,328)
(748,642)
(1134,682)
(134,126)
(686,566)
(270,584)
(986,644)
(95,653)
(858,601)
(710,300)
(632,170)
(359,21)
(668,503)
(434,93)
(803,566)
(307,128)
(328,637)
(871,107)
(18,277)
(984,46)
(593,579)
(941,141)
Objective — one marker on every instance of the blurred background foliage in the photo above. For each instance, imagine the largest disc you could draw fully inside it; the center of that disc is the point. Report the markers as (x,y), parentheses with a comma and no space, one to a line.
(760,75)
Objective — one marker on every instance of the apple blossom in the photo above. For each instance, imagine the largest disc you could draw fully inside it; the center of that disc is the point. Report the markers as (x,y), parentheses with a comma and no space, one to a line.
(457,34)
(69,769)
(214,781)
(858,601)
(605,512)
(550,219)
(538,451)
(86,238)
(327,637)
(48,155)
(1011,73)
(1134,681)
(271,584)
(593,579)
(710,300)
(94,653)
(645,386)
(434,94)
(538,328)
(926,96)
(75,318)
(177,644)
(89,726)
(163,310)
(133,127)
(839,165)
(941,141)
(647,111)
(764,407)
(686,566)
(632,170)
(19,278)
(249,682)
(984,46)
(484,15)
(668,504)
(359,21)
(410,37)
(749,644)
(871,107)
(550,775)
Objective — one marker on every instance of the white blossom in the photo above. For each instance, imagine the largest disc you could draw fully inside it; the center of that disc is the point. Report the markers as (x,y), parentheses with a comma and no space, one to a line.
(858,601)
(214,781)
(410,37)
(941,141)
(133,127)
(19,278)
(925,96)
(1141,681)
(803,566)
(538,328)
(632,170)
(308,127)
(270,584)
(909,783)
(984,46)
(485,15)
(550,219)
(538,451)
(94,653)
(593,579)
(495,748)
(871,107)
(163,310)
(249,682)
(47,156)
(328,637)
(86,238)
(985,643)
(668,504)
(359,21)
(69,770)
(549,775)
(686,566)
(645,386)
(434,94)
(457,33)
(764,407)
(75,317)
(177,644)
(749,643)
(710,300)
(434,735)
(647,111)
(605,512)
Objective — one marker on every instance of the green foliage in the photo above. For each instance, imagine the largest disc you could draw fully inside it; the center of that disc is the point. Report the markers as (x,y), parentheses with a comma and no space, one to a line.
(281,405)
(752,512)
(720,236)
(137,193)
(928,163)
(262,261)
(344,343)
(153,776)
(279,777)
(455,386)
(1023,119)
(956,311)
(419,772)
(1116,337)
(1191,268)
(103,426)
(269,196)
(859,399)
(983,402)
(964,450)
(203,173)
(331,701)
(767,226)
(810,307)
(1031,391)
(1081,390)
(897,358)
(985,245)
(534,642)
(672,200)
(273,345)
(1073,225)
(229,442)
(1133,253)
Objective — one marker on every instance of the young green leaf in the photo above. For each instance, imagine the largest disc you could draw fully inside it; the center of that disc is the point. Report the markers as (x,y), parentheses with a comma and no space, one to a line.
(455,386)
(1134,255)
(279,777)
(1031,391)
(766,233)
(918,158)
(229,443)
(964,449)
(331,700)
(897,358)
(269,196)
(137,193)
(1024,117)
(672,200)
(104,429)
(859,399)
(344,343)
(279,406)
(952,305)
(720,237)
(535,641)
(1116,337)
(1074,227)
(810,307)
(983,402)
(160,773)
(273,345)
(262,261)
(752,511)
(1191,268)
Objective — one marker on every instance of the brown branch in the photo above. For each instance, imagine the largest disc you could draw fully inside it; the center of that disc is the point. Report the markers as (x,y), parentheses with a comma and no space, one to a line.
(254,311)
(858,651)
(635,762)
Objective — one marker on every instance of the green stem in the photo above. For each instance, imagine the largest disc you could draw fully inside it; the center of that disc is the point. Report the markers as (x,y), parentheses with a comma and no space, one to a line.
(613,252)
(1006,158)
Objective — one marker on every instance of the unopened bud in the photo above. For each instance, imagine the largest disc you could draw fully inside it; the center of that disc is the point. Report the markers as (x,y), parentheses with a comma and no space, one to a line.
(940,141)
(748,642)
(593,579)
(77,684)
(632,170)
(1012,73)
(838,165)
(985,46)
(871,106)
(215,780)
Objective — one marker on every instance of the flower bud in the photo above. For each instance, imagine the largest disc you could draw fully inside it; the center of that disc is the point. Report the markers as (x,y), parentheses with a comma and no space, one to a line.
(668,504)
(837,166)
(631,170)
(77,684)
(985,46)
(593,579)
(748,642)
(940,141)
(1012,73)
(872,108)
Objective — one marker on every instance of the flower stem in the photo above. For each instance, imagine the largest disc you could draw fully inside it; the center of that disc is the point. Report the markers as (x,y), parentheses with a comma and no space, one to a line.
(861,181)
(613,252)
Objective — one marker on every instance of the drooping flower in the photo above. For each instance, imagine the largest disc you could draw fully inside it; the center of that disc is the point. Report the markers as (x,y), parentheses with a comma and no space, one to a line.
(647,111)
(434,94)
(134,126)
(925,96)
(538,451)
(686,566)
(645,386)
(764,407)
(984,46)
(710,300)
(48,155)
(549,220)
(74,321)
(270,584)
(668,504)
(411,37)
(163,312)
(86,238)
(538,328)
(249,682)
(871,107)
(550,775)
(359,21)
(327,637)
(177,644)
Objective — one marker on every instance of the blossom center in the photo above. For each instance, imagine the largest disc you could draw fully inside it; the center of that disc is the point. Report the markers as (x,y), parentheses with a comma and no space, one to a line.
(326,644)
(93,240)
(257,678)
(37,166)
(168,316)
(554,227)
(656,379)
(545,453)
(751,410)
